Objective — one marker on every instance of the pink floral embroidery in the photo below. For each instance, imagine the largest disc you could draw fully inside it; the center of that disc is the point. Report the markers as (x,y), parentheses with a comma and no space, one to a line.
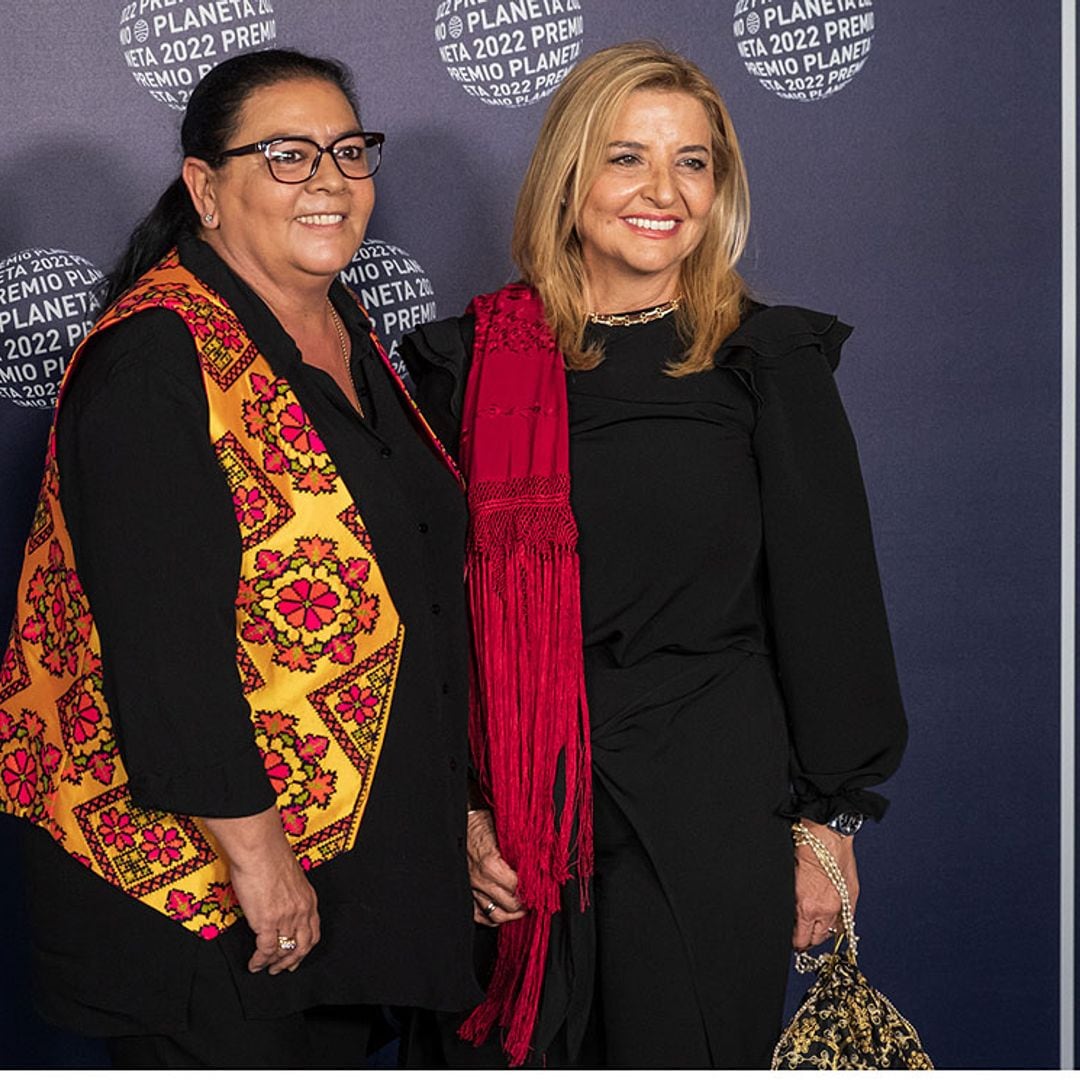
(265,389)
(227,335)
(254,421)
(7,725)
(367,614)
(321,786)
(258,631)
(250,504)
(183,905)
(312,747)
(161,844)
(20,777)
(102,767)
(274,461)
(294,658)
(87,718)
(296,430)
(275,723)
(116,829)
(293,820)
(342,649)
(314,481)
(277,769)
(315,549)
(354,572)
(271,564)
(50,757)
(309,604)
(357,704)
(222,895)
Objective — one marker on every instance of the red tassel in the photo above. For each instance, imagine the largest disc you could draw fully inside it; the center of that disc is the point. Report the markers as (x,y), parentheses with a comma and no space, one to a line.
(527,712)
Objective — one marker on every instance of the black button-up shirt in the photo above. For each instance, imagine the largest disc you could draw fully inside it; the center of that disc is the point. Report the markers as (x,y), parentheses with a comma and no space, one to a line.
(157,549)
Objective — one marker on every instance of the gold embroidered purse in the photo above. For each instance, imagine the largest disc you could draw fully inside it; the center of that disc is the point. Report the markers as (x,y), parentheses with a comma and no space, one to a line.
(843,1022)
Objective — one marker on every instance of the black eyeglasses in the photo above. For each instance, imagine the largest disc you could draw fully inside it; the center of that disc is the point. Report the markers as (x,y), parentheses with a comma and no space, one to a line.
(293,159)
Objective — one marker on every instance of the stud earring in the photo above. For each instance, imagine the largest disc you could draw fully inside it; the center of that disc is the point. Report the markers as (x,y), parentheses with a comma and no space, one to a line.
(208,218)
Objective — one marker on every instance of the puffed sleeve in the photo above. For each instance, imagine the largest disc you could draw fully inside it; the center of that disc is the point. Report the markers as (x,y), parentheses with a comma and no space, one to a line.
(158,552)
(438,356)
(823,593)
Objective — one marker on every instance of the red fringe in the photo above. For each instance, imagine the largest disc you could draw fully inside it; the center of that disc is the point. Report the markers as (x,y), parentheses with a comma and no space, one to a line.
(527,712)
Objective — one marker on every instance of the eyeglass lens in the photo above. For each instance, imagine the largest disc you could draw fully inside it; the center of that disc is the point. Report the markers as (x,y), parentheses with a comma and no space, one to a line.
(291,160)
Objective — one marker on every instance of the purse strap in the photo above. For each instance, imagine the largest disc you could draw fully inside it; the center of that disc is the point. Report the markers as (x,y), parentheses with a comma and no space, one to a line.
(804,962)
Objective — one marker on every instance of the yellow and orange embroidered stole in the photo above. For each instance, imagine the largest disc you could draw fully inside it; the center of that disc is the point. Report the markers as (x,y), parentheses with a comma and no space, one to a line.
(319,642)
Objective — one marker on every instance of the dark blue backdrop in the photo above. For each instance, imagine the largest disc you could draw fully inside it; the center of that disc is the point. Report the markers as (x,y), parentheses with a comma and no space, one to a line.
(921,202)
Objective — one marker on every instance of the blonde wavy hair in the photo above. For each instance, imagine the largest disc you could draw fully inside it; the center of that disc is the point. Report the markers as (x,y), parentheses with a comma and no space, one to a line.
(570,151)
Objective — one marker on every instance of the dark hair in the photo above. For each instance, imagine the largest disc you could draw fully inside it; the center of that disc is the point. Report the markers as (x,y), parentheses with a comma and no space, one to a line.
(212,114)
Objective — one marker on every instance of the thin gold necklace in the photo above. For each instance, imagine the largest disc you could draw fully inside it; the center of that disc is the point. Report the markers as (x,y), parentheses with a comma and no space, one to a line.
(344,343)
(636,318)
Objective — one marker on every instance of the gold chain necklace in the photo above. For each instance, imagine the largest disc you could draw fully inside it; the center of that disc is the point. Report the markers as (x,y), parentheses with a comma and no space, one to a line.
(638,317)
(343,341)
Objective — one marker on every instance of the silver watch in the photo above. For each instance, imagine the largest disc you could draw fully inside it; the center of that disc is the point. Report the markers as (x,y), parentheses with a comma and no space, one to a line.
(846,823)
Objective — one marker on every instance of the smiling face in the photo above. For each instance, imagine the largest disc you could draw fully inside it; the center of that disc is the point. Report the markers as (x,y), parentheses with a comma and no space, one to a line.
(649,205)
(282,237)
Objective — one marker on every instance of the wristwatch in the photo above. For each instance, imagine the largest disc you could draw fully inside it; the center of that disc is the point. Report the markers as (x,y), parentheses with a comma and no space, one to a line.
(846,823)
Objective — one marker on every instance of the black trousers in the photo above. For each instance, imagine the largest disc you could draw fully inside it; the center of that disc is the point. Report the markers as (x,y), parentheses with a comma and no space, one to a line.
(220,1036)
(644,1012)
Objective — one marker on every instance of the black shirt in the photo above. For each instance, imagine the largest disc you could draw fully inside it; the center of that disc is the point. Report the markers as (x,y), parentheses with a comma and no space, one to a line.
(723,513)
(157,549)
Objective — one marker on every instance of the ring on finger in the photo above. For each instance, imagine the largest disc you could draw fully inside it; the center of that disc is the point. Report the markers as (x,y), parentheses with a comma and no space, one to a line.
(286,944)
(490,908)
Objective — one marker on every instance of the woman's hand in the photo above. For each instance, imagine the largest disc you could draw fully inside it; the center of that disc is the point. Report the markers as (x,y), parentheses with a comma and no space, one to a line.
(492,879)
(278,901)
(817,903)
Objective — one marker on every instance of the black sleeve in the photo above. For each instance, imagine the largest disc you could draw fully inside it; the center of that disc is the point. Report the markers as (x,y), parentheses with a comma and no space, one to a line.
(158,552)
(438,356)
(824,599)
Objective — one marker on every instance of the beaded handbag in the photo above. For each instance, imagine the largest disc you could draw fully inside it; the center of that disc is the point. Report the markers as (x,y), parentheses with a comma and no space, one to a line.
(843,1022)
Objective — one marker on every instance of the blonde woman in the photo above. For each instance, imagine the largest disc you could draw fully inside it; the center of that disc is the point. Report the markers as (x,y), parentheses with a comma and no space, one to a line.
(679,638)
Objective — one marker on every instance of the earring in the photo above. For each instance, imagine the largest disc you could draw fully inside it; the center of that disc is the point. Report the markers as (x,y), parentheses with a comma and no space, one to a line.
(208,218)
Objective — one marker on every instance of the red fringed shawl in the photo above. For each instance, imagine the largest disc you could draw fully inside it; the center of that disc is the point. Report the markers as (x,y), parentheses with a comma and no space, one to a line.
(528,714)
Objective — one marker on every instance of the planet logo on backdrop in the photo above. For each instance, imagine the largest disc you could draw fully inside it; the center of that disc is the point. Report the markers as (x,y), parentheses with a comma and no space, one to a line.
(804,50)
(169,45)
(509,52)
(47,304)
(394,288)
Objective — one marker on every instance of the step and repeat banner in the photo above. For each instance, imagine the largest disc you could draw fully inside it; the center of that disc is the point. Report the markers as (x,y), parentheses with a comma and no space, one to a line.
(904,160)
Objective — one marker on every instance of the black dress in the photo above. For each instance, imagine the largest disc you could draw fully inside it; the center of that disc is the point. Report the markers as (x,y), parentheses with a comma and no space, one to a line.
(155,538)
(738,668)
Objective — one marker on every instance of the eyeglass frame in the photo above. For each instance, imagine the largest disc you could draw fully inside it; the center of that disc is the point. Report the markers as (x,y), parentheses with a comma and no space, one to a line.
(264,145)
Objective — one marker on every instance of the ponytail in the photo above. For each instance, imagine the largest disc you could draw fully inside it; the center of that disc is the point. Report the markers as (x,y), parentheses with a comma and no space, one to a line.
(173,217)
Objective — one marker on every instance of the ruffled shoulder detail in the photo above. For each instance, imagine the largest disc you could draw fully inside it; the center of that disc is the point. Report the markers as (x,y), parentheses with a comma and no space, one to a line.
(767,336)
(440,354)
(446,344)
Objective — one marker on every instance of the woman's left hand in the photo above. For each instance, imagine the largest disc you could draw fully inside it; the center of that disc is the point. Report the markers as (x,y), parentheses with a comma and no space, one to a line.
(817,903)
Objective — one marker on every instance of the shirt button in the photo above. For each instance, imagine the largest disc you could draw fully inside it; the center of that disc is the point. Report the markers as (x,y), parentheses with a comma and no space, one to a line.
(385,451)
(435,609)
(423,526)
(461,843)
(446,688)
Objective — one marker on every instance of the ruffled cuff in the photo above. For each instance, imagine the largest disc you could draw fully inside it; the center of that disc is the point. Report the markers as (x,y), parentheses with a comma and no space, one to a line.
(805,801)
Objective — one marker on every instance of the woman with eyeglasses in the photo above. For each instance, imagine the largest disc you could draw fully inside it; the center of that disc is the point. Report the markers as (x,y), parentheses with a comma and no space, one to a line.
(234,697)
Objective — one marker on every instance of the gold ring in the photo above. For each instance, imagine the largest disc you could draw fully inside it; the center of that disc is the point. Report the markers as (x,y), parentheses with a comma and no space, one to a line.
(286,944)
